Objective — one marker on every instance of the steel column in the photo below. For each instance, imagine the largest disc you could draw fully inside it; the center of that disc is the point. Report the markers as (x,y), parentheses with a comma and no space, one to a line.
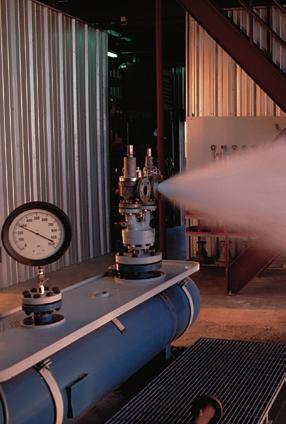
(160,115)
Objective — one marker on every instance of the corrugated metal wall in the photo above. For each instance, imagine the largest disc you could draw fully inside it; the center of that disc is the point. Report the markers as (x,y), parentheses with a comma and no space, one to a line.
(53,125)
(216,85)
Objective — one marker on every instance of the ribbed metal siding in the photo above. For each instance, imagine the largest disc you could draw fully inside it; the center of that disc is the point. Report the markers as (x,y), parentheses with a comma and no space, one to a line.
(53,124)
(216,85)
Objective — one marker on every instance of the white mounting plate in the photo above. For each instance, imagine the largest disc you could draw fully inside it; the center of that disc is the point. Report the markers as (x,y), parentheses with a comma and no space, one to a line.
(22,348)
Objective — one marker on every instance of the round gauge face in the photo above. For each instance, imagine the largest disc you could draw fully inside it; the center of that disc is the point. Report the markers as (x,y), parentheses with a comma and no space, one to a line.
(36,233)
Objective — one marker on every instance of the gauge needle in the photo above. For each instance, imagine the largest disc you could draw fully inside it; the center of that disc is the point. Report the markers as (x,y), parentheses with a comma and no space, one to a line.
(37,234)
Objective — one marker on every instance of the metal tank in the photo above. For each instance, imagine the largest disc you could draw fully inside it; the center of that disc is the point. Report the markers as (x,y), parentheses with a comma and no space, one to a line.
(53,371)
(90,368)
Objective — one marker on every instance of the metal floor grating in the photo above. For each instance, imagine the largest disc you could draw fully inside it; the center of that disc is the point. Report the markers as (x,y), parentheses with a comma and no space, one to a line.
(243,375)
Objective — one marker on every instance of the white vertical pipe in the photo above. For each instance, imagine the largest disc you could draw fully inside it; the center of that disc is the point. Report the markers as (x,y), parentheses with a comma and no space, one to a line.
(88,140)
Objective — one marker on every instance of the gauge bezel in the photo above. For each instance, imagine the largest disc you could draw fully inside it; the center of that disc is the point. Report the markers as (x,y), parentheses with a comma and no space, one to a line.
(45,206)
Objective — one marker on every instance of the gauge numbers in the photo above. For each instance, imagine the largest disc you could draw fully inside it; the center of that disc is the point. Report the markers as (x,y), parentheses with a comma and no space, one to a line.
(36,233)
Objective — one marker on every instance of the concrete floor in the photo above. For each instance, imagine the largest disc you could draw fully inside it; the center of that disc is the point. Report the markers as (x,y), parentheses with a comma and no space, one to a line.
(258,312)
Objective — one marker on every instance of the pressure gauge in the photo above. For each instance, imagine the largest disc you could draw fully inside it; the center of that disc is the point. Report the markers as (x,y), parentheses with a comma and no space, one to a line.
(36,233)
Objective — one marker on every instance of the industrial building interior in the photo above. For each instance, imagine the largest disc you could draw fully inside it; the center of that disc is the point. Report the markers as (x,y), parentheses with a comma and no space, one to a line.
(142,264)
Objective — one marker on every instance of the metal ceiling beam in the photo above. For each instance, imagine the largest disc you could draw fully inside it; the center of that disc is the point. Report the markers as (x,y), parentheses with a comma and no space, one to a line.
(268,76)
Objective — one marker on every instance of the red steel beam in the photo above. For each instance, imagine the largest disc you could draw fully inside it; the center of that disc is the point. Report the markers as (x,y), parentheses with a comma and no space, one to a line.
(262,23)
(268,76)
(280,6)
(251,262)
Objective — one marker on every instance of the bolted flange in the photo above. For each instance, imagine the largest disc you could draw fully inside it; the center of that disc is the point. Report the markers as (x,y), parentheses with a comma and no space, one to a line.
(40,303)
